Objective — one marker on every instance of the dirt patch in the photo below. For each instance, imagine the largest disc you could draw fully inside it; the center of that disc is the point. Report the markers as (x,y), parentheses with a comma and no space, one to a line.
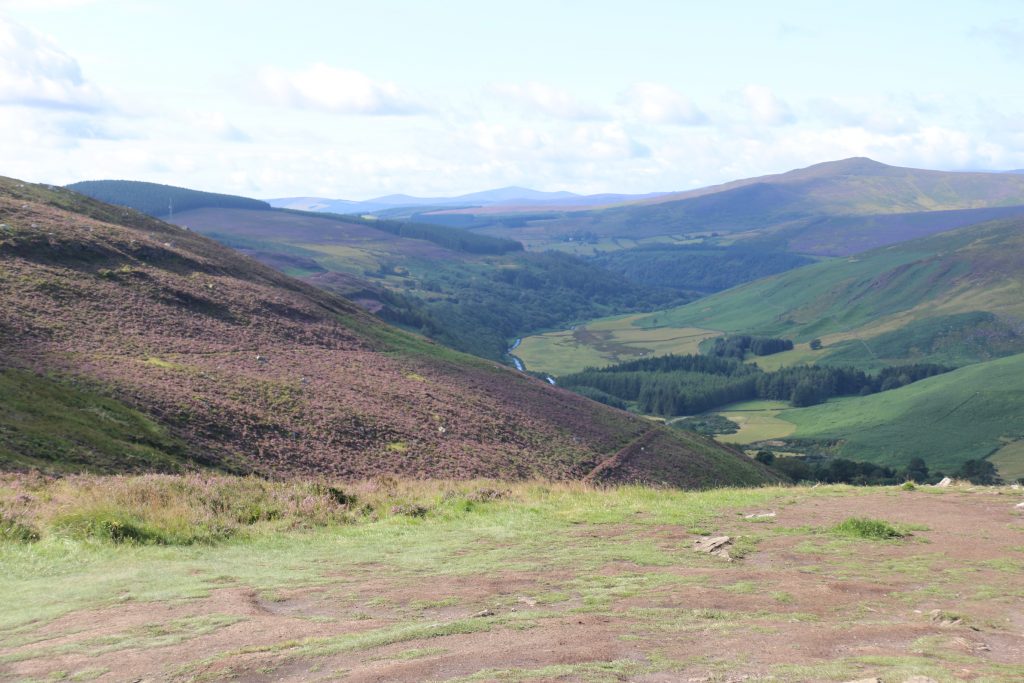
(801,604)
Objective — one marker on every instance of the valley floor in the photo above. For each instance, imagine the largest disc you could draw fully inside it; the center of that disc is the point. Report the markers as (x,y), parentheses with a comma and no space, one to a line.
(524,582)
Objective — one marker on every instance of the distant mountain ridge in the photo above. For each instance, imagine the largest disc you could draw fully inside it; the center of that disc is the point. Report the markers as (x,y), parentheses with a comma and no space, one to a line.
(510,197)
(786,208)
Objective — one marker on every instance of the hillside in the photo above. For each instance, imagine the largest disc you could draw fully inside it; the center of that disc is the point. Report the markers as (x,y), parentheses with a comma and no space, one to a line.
(223,362)
(971,413)
(160,200)
(827,209)
(472,292)
(904,301)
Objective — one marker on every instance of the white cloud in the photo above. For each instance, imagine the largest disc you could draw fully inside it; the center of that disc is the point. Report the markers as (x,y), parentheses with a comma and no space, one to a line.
(766,107)
(658,103)
(548,100)
(35,72)
(1008,37)
(585,142)
(879,115)
(339,91)
(217,125)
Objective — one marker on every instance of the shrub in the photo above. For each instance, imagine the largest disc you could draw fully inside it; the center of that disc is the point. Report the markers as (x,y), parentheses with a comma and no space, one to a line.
(410,510)
(13,528)
(872,529)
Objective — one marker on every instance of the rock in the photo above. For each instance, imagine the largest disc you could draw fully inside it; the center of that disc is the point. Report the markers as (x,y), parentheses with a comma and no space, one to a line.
(760,515)
(944,618)
(946,481)
(714,545)
(866,680)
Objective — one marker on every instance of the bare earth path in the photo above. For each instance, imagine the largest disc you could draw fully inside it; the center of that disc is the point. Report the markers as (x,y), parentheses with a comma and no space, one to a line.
(619,598)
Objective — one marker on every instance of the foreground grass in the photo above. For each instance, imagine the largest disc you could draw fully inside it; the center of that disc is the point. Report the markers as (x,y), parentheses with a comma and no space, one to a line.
(160,537)
(309,576)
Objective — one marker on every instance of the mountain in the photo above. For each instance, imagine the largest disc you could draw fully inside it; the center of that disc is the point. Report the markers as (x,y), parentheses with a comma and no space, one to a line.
(842,200)
(167,350)
(505,199)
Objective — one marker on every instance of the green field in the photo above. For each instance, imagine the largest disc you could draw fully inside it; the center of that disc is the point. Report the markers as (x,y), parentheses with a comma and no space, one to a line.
(603,342)
(757,421)
(1009,460)
(961,415)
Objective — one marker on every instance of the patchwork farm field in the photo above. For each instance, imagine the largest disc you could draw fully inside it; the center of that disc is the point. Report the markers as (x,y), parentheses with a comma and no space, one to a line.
(193,578)
(606,342)
(757,421)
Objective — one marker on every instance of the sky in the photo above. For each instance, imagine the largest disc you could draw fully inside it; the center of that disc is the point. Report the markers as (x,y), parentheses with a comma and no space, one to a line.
(355,99)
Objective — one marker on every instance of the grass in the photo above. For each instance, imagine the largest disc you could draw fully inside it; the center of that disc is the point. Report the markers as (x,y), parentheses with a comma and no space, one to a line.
(358,583)
(603,342)
(947,419)
(870,529)
(62,424)
(183,558)
(758,421)
(1009,460)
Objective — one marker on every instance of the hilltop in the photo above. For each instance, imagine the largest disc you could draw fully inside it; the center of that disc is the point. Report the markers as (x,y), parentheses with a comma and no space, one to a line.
(796,210)
(160,200)
(219,361)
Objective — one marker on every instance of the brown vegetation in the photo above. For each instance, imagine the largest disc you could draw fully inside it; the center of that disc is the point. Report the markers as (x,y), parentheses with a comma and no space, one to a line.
(258,372)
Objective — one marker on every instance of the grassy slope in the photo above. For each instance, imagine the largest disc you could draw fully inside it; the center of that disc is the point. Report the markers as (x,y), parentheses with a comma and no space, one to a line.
(57,425)
(257,371)
(969,413)
(980,268)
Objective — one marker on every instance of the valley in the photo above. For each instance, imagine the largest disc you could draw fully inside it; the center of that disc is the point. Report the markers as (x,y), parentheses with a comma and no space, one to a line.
(555,342)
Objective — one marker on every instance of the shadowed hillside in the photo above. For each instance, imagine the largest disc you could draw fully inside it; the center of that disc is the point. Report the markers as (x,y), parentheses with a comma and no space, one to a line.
(160,200)
(254,371)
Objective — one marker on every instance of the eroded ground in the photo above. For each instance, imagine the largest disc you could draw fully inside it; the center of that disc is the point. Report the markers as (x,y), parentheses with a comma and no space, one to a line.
(602,589)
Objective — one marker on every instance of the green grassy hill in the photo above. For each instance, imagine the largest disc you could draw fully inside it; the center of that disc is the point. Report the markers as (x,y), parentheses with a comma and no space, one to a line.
(970,413)
(906,300)
(133,344)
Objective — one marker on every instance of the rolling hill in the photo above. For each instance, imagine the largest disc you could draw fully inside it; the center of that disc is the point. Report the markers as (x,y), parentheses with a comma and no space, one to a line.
(972,413)
(832,208)
(470,291)
(953,297)
(160,200)
(167,350)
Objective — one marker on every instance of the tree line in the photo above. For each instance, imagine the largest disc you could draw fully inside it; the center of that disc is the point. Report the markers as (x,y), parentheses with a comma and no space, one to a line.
(737,346)
(690,384)
(844,471)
